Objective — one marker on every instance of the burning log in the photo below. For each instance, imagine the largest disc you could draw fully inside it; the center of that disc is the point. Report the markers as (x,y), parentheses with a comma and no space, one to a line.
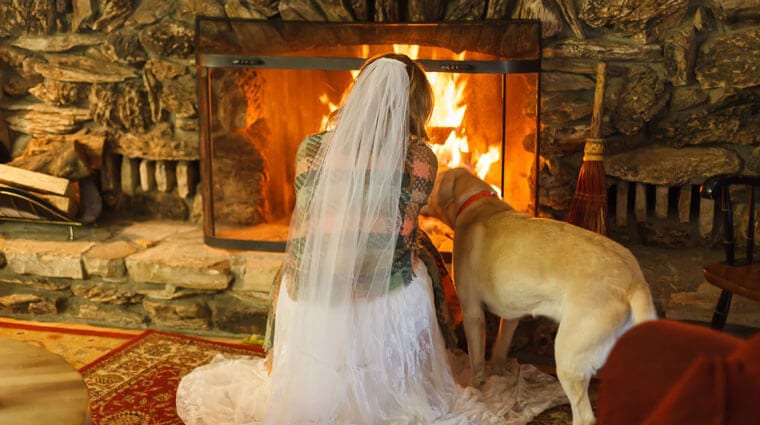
(438,135)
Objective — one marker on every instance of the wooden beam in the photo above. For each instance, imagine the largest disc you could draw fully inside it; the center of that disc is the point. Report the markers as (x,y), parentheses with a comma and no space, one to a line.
(684,204)
(130,175)
(640,202)
(661,201)
(147,175)
(621,204)
(165,176)
(706,216)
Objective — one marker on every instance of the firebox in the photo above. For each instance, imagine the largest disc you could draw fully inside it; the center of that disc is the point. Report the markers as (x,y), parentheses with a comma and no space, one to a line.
(265,85)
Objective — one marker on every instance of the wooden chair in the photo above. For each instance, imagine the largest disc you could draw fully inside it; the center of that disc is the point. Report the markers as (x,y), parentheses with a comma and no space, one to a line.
(739,273)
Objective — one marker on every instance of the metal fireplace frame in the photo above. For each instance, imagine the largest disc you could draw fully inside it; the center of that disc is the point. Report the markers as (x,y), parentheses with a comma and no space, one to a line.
(504,46)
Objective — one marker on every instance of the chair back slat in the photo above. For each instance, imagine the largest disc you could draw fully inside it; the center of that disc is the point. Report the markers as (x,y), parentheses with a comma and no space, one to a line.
(729,241)
(719,189)
(751,225)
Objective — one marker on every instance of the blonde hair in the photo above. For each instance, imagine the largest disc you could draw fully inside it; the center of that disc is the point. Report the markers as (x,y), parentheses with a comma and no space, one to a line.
(420,94)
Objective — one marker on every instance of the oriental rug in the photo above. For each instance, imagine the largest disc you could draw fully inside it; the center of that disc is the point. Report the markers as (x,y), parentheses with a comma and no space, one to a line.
(136,383)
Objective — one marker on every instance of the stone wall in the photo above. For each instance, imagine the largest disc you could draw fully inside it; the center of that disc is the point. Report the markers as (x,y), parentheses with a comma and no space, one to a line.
(147,274)
(683,77)
(681,104)
(682,99)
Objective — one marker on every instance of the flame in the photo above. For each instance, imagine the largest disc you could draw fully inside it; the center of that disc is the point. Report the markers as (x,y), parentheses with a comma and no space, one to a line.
(446,122)
(483,165)
(448,118)
(331,107)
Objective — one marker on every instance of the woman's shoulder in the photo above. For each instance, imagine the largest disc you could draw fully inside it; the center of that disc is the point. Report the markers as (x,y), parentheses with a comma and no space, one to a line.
(420,149)
(314,138)
(310,145)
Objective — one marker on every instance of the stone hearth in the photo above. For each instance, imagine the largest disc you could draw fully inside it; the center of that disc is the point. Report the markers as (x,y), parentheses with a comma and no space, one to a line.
(155,274)
(159,274)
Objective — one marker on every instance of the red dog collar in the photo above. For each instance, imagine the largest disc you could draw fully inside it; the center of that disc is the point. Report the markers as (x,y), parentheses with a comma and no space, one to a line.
(475,197)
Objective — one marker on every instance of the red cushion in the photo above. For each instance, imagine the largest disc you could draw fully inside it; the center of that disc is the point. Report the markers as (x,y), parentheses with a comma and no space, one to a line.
(668,372)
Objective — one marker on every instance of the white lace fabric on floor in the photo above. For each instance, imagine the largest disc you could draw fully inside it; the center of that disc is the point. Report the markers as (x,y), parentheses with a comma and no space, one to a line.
(236,391)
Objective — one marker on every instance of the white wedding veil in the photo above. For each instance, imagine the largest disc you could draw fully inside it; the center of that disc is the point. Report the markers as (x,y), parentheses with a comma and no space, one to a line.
(324,359)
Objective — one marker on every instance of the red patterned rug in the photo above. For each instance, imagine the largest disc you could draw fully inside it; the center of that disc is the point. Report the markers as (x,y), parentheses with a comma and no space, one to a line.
(136,383)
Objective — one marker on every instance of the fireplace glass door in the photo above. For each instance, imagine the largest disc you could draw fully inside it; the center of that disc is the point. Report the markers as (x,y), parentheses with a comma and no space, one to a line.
(264,87)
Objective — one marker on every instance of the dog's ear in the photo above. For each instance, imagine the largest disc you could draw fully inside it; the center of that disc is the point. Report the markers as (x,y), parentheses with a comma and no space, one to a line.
(446,182)
(432,207)
(441,203)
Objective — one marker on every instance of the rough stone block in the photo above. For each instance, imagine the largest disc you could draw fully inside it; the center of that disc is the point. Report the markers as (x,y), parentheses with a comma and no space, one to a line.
(188,314)
(46,258)
(107,259)
(18,303)
(181,265)
(258,271)
(116,316)
(149,233)
(233,315)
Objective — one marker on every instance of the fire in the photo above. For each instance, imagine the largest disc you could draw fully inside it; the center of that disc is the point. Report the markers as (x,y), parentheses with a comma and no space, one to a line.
(447,118)
(446,123)
(448,134)
(447,131)
(331,107)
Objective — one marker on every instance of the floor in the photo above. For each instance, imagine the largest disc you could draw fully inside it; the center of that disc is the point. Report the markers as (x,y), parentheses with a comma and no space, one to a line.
(674,275)
(82,344)
(680,291)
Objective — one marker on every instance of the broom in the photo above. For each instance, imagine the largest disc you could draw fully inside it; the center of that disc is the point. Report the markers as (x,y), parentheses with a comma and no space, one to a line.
(588,208)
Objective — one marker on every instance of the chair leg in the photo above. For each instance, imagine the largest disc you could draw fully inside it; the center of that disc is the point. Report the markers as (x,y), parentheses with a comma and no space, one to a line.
(721,310)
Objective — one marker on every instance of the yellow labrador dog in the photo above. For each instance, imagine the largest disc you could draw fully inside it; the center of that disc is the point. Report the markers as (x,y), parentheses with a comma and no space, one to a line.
(518,265)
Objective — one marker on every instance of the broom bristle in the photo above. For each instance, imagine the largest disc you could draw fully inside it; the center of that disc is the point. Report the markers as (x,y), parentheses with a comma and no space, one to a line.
(589,206)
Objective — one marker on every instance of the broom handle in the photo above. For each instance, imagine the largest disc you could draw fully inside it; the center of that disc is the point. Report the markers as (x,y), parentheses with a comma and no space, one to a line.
(596,116)
(594,147)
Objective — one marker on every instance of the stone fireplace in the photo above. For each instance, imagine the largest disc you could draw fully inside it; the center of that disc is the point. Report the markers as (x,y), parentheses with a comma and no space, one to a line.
(264,86)
(116,82)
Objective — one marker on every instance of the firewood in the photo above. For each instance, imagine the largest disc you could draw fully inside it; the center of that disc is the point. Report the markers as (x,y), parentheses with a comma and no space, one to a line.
(66,204)
(35,181)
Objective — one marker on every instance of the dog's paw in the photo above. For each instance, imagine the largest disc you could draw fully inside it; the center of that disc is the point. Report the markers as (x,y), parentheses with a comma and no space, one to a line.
(497,368)
(503,367)
(478,379)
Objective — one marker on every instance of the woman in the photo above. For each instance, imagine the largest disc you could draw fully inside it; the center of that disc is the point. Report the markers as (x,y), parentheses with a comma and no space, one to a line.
(356,339)
(358,312)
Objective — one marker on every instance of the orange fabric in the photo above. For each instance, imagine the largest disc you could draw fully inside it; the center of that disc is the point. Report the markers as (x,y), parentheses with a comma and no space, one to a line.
(452,300)
(670,373)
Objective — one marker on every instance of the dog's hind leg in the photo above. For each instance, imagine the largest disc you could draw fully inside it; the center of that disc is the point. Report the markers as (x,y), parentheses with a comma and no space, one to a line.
(503,340)
(473,320)
(583,341)
(574,376)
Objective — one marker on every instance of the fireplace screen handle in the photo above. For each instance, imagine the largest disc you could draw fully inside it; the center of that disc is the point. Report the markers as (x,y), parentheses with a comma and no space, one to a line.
(457,67)
(247,62)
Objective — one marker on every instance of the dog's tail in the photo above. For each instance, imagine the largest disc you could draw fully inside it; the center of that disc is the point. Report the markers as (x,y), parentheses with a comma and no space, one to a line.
(642,306)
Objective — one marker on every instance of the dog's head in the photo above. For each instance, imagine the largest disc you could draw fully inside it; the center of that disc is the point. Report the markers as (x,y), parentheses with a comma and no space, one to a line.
(449,191)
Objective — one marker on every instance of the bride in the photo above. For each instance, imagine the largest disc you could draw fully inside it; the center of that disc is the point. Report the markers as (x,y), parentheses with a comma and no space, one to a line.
(356,339)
